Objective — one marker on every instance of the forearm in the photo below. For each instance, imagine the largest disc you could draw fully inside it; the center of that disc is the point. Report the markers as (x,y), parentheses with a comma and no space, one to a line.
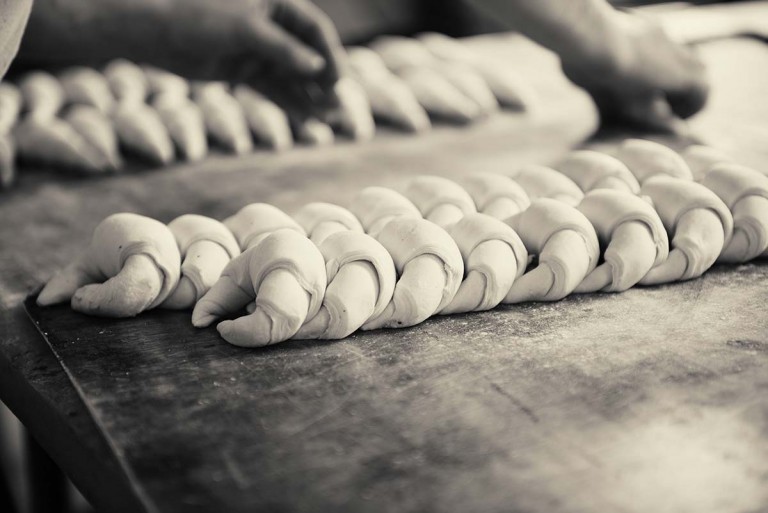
(582,32)
(12,23)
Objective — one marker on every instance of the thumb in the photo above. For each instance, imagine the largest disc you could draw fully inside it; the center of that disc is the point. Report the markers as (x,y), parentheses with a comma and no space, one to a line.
(282,51)
(653,113)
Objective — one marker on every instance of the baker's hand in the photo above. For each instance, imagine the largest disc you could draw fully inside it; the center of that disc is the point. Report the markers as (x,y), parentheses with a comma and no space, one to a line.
(649,80)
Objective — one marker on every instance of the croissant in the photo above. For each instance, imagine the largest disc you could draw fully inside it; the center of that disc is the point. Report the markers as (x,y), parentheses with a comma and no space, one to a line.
(745,193)
(141,131)
(440,200)
(361,282)
(254,222)
(545,182)
(377,206)
(284,275)
(701,159)
(470,83)
(496,195)
(10,107)
(184,122)
(494,257)
(631,234)
(86,86)
(398,52)
(7,161)
(42,94)
(127,81)
(354,116)
(268,122)
(507,86)
(698,223)
(206,247)
(319,220)
(592,170)
(95,127)
(54,141)
(130,265)
(438,96)
(166,88)
(390,98)
(429,268)
(567,249)
(314,132)
(646,159)
(224,118)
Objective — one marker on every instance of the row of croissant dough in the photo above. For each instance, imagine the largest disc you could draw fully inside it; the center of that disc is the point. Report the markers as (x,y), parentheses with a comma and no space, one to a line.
(79,119)
(393,259)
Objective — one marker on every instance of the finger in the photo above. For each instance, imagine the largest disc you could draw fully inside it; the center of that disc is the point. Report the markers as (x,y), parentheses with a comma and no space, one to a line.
(282,50)
(653,113)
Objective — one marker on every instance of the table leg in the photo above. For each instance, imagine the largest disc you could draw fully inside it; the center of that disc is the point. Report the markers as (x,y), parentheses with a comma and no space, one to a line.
(47,484)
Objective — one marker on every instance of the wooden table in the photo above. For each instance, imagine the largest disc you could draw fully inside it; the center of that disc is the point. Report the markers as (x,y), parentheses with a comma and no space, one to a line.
(650,400)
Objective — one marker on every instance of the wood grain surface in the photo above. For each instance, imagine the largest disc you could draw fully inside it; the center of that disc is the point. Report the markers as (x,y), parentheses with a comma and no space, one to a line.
(650,400)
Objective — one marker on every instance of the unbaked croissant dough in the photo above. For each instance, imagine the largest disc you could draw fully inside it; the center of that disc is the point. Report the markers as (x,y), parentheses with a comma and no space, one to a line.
(545,182)
(438,96)
(7,161)
(186,127)
(745,192)
(594,170)
(254,222)
(698,223)
(632,237)
(647,159)
(224,117)
(319,220)
(467,80)
(206,247)
(166,88)
(439,199)
(701,159)
(142,132)
(312,131)
(268,123)
(10,106)
(131,264)
(567,249)
(353,116)
(494,256)
(42,94)
(96,128)
(127,81)
(496,195)
(398,52)
(361,282)
(377,206)
(284,275)
(429,268)
(86,86)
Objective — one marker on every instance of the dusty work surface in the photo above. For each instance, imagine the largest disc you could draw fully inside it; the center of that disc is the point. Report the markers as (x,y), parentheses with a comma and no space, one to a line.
(654,400)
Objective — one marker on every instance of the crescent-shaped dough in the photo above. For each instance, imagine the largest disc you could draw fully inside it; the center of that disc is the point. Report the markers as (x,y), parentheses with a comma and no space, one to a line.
(268,123)
(319,220)
(185,124)
(566,245)
(392,101)
(206,247)
(96,128)
(312,131)
(374,207)
(254,222)
(594,170)
(42,94)
(398,52)
(745,192)
(127,81)
(54,141)
(647,159)
(496,195)
(361,282)
(10,106)
(7,161)
(698,223)
(467,80)
(439,199)
(632,235)
(284,275)
(166,88)
(86,86)
(429,267)
(494,256)
(545,182)
(141,131)
(438,96)
(701,159)
(224,117)
(354,116)
(131,264)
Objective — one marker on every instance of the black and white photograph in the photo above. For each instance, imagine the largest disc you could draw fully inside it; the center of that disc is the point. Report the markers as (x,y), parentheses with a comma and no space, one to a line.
(373,256)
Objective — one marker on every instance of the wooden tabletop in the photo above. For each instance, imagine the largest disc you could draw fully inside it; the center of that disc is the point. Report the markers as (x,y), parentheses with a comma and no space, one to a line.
(650,400)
